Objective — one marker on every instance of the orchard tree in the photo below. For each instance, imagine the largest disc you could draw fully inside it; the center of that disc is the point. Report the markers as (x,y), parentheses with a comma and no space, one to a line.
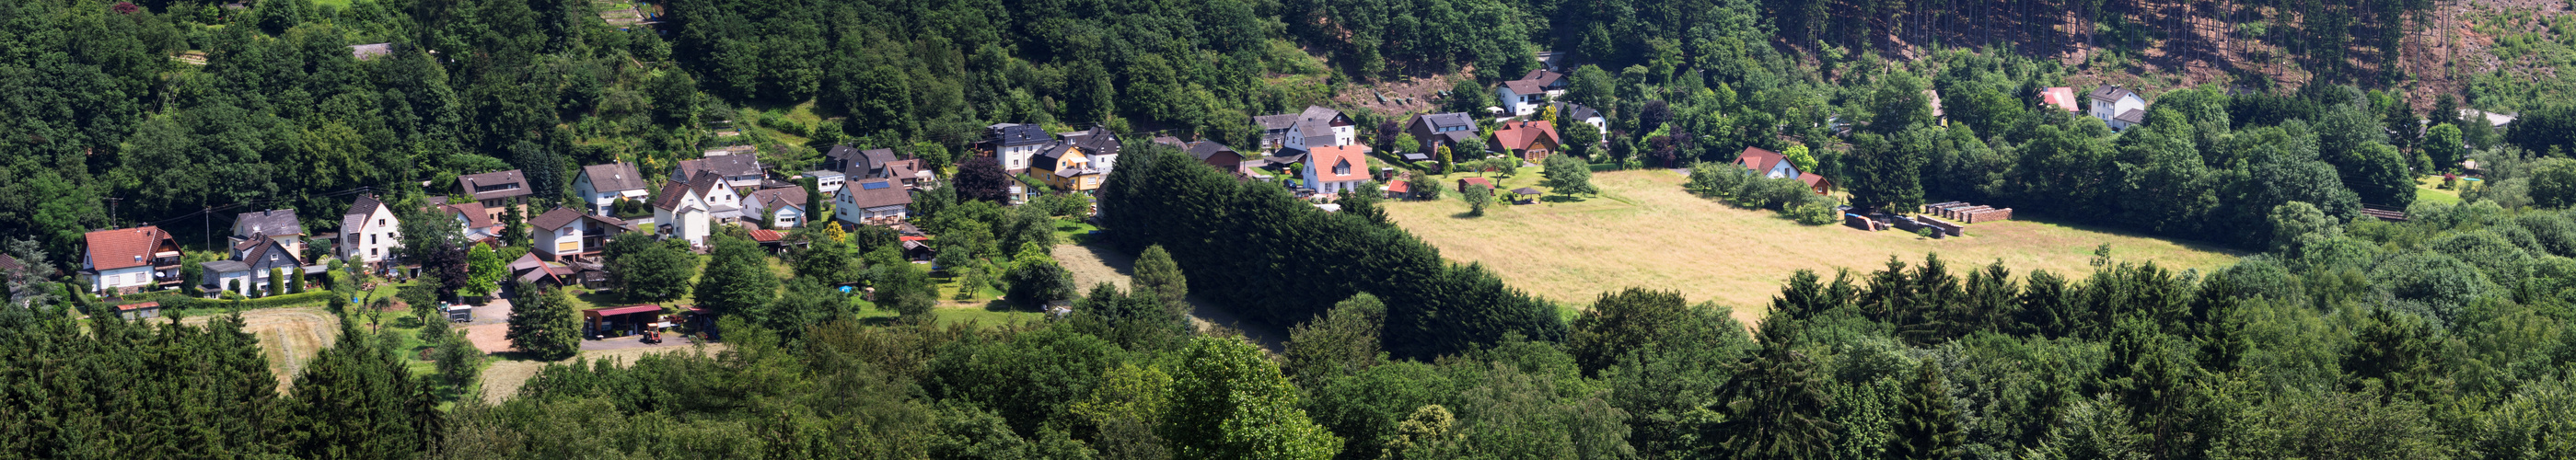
(1568,176)
(485,271)
(1478,197)
(545,326)
(647,270)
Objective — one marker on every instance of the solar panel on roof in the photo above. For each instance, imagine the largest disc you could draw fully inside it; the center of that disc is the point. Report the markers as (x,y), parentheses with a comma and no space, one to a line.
(874,185)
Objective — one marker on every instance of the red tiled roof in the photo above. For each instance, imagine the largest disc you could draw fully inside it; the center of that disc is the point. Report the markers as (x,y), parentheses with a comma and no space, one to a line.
(475,215)
(1398,187)
(764,235)
(1759,160)
(123,248)
(1325,157)
(625,310)
(138,306)
(1520,135)
(2062,97)
(1810,178)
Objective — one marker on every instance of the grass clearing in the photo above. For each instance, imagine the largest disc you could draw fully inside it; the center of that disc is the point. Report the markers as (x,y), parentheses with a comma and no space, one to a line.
(1645,231)
(2428,189)
(289,337)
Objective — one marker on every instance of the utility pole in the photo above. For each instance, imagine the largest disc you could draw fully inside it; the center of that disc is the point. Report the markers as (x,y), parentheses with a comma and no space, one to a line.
(111,211)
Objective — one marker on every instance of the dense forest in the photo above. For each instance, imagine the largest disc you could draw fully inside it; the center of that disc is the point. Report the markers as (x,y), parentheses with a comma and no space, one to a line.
(2444,336)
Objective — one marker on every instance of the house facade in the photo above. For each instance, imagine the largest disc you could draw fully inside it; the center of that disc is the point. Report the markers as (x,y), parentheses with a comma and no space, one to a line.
(1532,141)
(683,209)
(1336,169)
(602,185)
(737,171)
(1066,167)
(778,207)
(129,260)
(565,233)
(1773,165)
(2118,107)
(1523,97)
(1012,144)
(279,225)
(246,270)
(496,191)
(369,232)
(872,202)
(1437,129)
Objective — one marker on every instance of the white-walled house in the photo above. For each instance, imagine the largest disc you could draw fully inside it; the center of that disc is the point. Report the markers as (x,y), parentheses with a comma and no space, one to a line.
(683,211)
(602,185)
(1315,127)
(1336,169)
(783,207)
(1012,144)
(872,202)
(129,260)
(2118,107)
(279,225)
(1525,96)
(369,232)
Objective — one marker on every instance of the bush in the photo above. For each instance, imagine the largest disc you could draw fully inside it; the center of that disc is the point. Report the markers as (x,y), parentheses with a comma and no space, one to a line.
(1815,211)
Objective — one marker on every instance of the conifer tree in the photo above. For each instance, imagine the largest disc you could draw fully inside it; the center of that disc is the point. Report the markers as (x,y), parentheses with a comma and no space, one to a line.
(1155,270)
(1927,427)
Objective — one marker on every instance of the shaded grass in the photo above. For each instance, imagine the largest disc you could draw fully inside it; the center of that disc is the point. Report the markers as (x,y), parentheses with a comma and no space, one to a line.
(1650,233)
(2426,191)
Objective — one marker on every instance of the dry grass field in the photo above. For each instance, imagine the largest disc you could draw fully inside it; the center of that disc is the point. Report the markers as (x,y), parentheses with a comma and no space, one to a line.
(1644,230)
(502,379)
(289,336)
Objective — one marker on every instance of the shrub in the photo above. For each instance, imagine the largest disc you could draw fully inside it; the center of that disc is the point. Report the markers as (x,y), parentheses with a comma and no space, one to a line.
(1815,211)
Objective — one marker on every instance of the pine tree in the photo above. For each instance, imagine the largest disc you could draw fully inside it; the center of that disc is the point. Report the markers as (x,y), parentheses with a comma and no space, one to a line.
(1927,426)
(1775,405)
(1155,270)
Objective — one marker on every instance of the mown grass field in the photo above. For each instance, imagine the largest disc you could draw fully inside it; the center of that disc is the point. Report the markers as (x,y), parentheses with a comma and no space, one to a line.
(1645,231)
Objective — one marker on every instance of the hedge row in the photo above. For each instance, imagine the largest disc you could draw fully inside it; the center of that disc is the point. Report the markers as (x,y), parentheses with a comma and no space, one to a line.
(181,302)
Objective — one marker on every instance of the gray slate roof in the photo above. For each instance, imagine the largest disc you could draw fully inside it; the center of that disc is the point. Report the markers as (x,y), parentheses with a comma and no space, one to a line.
(556,219)
(471,182)
(723,165)
(275,222)
(1014,135)
(355,219)
(614,177)
(1446,120)
(2110,93)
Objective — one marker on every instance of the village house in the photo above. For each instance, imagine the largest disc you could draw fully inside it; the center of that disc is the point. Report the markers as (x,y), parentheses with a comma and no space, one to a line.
(2060,97)
(872,202)
(828,182)
(853,162)
(1316,126)
(1438,129)
(737,171)
(368,232)
(565,233)
(1773,165)
(472,221)
(1336,169)
(782,207)
(1523,97)
(496,191)
(1579,113)
(1066,167)
(128,260)
(603,185)
(1213,154)
(247,267)
(688,210)
(277,225)
(910,173)
(2118,107)
(1012,144)
(1532,141)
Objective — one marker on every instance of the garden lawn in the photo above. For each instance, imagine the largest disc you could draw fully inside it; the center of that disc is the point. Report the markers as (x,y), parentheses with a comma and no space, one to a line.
(1645,231)
(2427,189)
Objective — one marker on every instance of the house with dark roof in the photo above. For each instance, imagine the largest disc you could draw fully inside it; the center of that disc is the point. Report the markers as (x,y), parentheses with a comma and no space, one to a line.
(279,225)
(2114,105)
(1438,129)
(369,232)
(1578,113)
(1774,165)
(245,270)
(495,191)
(782,207)
(910,173)
(1532,141)
(1066,166)
(1213,154)
(1012,144)
(1315,126)
(1523,97)
(738,171)
(872,202)
(129,260)
(688,210)
(858,163)
(602,185)
(567,233)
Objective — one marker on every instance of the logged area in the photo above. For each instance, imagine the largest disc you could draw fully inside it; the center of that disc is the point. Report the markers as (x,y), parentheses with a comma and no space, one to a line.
(1646,231)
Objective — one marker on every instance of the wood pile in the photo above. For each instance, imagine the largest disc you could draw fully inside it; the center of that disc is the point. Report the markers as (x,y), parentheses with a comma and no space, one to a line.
(1862,222)
(1967,213)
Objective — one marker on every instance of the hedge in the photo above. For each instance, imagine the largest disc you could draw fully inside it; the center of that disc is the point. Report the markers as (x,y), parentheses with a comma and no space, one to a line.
(181,302)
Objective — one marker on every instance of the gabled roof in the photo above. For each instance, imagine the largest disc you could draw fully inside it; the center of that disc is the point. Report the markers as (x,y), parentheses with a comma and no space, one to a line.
(1014,135)
(765,235)
(475,215)
(724,165)
(1279,121)
(1579,112)
(1543,77)
(225,266)
(2060,96)
(1046,158)
(1095,141)
(1398,187)
(1205,149)
(356,218)
(275,222)
(776,198)
(1525,87)
(2132,116)
(903,169)
(2111,93)
(10,263)
(472,182)
(1759,160)
(1324,157)
(556,219)
(265,246)
(1518,135)
(1317,119)
(698,185)
(1810,179)
(124,247)
(876,193)
(1446,120)
(614,177)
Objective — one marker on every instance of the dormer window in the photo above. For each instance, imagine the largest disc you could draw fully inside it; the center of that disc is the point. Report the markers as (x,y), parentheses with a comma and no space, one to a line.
(1342,168)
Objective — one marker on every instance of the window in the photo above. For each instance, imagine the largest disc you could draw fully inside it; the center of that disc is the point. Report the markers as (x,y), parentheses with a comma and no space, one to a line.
(380,222)
(1342,168)
(371,238)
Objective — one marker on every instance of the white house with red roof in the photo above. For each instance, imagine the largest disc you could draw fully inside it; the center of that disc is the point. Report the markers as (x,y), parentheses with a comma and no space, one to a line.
(1773,165)
(1336,169)
(129,260)
(2063,98)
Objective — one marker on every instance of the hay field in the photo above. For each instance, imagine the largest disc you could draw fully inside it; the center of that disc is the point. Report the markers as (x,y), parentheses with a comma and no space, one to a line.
(1644,230)
(502,379)
(288,336)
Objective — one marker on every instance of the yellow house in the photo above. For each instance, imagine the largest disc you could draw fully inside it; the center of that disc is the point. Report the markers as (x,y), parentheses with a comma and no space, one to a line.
(1066,167)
